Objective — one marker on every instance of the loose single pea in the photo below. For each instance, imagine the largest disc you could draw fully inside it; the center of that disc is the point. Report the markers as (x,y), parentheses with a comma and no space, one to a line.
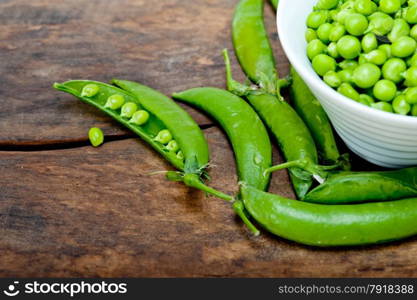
(180,155)
(356,24)
(316,18)
(164,136)
(348,64)
(314,48)
(349,47)
(333,14)
(310,35)
(369,42)
(411,95)
(346,75)
(140,117)
(365,7)
(380,23)
(90,90)
(366,75)
(326,4)
(323,32)
(400,105)
(387,49)
(410,77)
(384,106)
(389,6)
(385,90)
(323,63)
(343,15)
(403,47)
(412,61)
(413,32)
(115,101)
(393,69)
(414,110)
(366,99)
(377,57)
(362,60)
(173,146)
(332,50)
(347,90)
(338,30)
(96,136)
(332,79)
(401,28)
(411,14)
(128,109)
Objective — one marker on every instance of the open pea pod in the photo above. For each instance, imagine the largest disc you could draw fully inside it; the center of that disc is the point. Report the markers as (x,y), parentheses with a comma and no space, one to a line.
(332,225)
(157,119)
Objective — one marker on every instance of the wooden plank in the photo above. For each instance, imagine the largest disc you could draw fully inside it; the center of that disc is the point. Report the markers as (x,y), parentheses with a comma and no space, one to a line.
(96,212)
(170,45)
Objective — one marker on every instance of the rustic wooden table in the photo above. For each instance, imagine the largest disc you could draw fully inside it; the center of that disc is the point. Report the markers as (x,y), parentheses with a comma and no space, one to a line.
(67,209)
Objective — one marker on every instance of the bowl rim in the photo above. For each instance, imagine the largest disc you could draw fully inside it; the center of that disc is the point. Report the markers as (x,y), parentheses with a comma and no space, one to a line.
(312,79)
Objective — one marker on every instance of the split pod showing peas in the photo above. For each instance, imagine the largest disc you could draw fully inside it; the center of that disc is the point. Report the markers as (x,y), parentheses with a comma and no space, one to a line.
(156,119)
(332,225)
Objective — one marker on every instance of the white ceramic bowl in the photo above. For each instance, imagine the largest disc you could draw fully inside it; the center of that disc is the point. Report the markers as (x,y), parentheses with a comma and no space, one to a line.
(385,139)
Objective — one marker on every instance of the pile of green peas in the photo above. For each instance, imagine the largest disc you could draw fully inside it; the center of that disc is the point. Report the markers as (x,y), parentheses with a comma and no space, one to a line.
(367,51)
(136,116)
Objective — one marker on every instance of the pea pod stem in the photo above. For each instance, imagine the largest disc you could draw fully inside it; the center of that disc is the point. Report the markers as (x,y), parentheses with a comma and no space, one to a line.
(239,209)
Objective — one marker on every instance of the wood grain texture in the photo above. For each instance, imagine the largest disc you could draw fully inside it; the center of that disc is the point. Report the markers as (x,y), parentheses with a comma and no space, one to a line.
(169,45)
(96,212)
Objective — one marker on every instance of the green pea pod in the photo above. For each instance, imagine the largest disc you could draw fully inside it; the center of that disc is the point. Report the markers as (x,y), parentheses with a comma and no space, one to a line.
(330,225)
(355,187)
(252,45)
(245,130)
(314,116)
(163,116)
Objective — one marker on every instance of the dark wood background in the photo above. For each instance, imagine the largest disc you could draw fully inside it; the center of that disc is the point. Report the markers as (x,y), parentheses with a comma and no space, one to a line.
(67,209)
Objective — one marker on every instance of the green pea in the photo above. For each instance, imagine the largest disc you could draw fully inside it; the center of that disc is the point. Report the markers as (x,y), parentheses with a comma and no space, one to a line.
(393,69)
(180,155)
(380,23)
(347,90)
(343,15)
(173,146)
(366,75)
(366,99)
(412,61)
(332,50)
(403,47)
(323,63)
(387,49)
(356,24)
(310,35)
(96,136)
(140,117)
(115,101)
(410,77)
(323,32)
(314,48)
(326,4)
(411,15)
(377,57)
(163,137)
(362,60)
(316,18)
(346,75)
(385,90)
(401,28)
(365,7)
(413,32)
(90,90)
(384,106)
(369,42)
(348,64)
(333,14)
(338,30)
(414,110)
(411,95)
(128,109)
(349,47)
(400,105)
(389,6)
(332,79)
